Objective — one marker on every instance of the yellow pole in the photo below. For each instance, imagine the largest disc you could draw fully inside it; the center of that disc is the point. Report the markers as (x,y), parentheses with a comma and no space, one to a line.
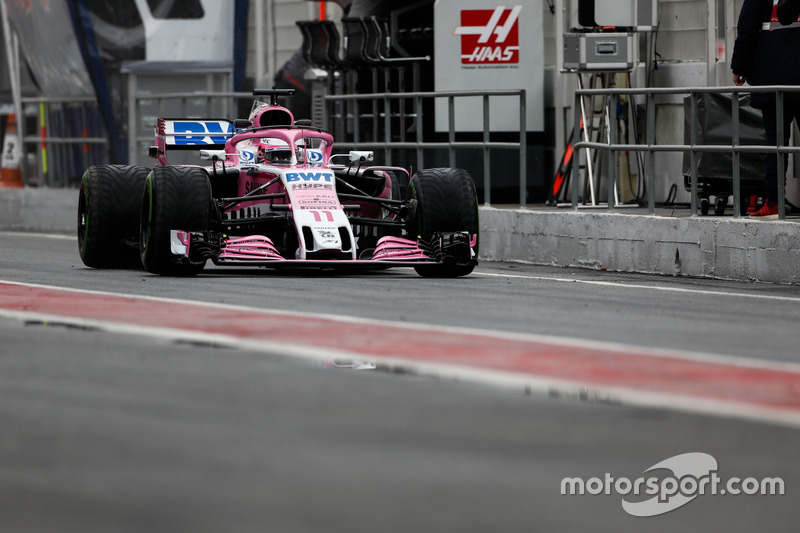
(43,132)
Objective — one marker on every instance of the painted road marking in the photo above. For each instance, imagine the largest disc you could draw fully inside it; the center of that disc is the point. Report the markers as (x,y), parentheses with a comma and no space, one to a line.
(26,235)
(716,385)
(626,285)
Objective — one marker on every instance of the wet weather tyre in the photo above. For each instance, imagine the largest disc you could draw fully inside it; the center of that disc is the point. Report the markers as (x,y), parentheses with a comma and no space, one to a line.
(174,198)
(445,202)
(109,203)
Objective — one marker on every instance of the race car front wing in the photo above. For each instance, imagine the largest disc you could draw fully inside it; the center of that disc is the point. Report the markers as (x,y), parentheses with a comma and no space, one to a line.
(258,250)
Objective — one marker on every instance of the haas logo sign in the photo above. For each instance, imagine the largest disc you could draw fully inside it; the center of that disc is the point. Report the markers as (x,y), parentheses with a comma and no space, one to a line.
(489,37)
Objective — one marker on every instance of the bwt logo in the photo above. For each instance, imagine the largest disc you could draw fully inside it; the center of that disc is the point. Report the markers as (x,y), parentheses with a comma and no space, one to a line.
(309,176)
(210,132)
(489,37)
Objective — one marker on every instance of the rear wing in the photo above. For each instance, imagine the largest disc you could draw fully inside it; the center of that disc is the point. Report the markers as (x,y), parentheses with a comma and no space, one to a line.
(190,134)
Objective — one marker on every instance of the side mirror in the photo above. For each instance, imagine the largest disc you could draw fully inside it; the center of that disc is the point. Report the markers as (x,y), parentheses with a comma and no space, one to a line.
(212,154)
(361,157)
(242,124)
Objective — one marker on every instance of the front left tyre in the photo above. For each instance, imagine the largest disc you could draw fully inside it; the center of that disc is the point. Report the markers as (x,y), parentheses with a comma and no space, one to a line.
(108,215)
(174,198)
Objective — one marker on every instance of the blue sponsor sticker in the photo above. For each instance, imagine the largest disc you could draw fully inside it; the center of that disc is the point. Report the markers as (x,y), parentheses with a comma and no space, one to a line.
(314,157)
(246,157)
(205,132)
(309,176)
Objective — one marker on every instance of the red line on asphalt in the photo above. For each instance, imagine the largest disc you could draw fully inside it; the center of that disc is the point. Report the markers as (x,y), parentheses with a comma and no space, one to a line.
(772,388)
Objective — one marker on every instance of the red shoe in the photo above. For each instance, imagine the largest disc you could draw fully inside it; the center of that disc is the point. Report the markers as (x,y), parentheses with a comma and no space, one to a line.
(752,207)
(769,211)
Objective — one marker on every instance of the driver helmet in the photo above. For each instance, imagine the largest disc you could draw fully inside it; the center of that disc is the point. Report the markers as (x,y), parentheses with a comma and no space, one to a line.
(276,155)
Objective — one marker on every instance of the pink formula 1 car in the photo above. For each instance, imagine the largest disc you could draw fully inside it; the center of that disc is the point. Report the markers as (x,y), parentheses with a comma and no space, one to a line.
(274,196)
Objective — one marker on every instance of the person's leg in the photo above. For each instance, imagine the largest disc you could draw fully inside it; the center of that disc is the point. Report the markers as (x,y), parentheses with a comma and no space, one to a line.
(769,210)
(770,160)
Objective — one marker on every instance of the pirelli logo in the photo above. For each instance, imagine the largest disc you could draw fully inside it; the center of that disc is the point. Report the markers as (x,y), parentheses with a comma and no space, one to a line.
(489,36)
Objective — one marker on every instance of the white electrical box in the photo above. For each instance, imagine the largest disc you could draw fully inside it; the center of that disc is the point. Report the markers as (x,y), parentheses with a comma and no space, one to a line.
(598,51)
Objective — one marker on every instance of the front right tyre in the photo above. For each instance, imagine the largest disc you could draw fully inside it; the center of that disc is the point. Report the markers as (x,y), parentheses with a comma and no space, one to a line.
(446,201)
(174,198)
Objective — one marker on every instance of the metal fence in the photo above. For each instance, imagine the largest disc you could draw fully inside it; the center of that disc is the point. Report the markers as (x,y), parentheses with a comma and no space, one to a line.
(222,103)
(65,135)
(394,118)
(145,108)
(649,147)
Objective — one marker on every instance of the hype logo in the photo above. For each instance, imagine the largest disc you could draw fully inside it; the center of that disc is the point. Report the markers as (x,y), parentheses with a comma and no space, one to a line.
(489,37)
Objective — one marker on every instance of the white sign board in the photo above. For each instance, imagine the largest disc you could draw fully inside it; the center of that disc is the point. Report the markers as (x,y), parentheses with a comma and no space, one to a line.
(209,38)
(489,45)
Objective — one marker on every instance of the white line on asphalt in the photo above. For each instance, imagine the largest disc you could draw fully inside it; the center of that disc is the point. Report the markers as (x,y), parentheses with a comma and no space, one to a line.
(550,387)
(622,284)
(745,362)
(24,234)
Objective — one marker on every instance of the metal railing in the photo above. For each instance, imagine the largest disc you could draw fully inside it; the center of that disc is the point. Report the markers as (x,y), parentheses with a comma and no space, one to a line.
(388,115)
(650,147)
(390,122)
(62,142)
(217,104)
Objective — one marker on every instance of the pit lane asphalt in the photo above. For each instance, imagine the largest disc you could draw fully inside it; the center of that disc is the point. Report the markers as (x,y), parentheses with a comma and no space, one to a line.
(113,432)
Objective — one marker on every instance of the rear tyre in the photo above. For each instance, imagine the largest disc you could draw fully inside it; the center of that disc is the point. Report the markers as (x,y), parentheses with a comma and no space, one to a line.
(174,198)
(108,215)
(446,202)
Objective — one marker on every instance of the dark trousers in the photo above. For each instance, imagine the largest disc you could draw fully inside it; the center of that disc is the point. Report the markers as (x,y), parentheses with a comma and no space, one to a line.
(791,111)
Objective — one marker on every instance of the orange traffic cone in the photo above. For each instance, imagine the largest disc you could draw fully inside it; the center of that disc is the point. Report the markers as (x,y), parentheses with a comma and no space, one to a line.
(11,175)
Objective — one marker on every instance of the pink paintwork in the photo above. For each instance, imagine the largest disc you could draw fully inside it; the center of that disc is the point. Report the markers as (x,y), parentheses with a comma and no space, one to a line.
(398,249)
(252,247)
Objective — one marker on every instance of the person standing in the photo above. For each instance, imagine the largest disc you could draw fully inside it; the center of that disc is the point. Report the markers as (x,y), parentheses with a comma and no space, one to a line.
(788,11)
(766,53)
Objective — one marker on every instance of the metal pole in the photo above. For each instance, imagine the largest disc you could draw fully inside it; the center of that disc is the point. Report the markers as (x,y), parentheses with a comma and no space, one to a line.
(487,166)
(693,157)
(781,178)
(357,126)
(259,40)
(272,42)
(418,128)
(736,158)
(559,81)
(577,113)
(586,126)
(64,151)
(43,125)
(651,156)
(451,135)
(523,149)
(133,130)
(85,133)
(711,42)
(611,163)
(387,124)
